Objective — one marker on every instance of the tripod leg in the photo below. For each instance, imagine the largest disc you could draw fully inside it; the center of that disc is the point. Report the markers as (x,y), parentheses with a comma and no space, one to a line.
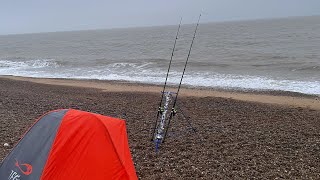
(187,119)
(193,129)
(168,126)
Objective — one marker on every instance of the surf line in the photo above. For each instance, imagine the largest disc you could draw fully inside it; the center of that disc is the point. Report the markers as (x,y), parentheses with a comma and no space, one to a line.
(162,123)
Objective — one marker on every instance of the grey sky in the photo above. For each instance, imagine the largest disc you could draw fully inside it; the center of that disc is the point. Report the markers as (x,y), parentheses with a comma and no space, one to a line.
(26,16)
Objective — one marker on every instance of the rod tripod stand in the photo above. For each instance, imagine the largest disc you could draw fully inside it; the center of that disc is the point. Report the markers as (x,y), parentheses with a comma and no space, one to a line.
(164,119)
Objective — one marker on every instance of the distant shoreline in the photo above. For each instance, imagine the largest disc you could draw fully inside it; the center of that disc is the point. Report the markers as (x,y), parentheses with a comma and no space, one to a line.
(269,97)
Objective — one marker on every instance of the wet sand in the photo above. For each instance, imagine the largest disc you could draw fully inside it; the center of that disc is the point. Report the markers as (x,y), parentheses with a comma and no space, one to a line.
(271,97)
(238,134)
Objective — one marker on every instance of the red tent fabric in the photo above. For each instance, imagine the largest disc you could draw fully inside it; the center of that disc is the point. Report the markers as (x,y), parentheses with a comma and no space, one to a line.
(71,144)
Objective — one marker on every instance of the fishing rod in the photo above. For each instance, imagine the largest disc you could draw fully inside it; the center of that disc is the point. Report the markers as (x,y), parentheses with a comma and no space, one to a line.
(160,110)
(173,110)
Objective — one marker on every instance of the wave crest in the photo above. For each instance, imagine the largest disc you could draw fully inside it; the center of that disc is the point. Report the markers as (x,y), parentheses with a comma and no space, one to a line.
(27,64)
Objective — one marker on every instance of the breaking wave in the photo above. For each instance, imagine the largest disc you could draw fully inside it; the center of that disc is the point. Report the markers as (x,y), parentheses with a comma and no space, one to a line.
(27,64)
(146,72)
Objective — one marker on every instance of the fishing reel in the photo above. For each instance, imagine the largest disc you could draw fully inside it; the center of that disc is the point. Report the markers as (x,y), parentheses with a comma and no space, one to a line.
(174,111)
(160,110)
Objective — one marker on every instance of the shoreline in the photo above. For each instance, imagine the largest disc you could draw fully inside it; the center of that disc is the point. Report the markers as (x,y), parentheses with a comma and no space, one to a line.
(283,98)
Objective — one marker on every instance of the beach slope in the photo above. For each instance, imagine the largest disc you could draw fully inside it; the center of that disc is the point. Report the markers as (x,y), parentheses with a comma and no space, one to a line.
(238,135)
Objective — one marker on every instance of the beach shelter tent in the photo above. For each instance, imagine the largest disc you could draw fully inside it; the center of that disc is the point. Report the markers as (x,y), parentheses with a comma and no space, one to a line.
(70,144)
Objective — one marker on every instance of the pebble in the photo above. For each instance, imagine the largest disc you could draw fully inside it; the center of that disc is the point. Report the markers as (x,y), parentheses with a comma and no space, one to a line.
(6,145)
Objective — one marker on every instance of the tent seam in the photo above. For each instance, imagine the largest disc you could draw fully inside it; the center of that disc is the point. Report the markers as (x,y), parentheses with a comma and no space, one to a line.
(97,118)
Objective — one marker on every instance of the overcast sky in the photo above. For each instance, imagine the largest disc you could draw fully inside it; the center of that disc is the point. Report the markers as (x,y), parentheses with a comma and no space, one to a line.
(27,16)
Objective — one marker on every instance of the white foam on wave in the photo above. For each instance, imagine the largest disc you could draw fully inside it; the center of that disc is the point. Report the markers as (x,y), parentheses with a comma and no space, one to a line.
(254,82)
(216,81)
(129,65)
(7,65)
(146,73)
(227,82)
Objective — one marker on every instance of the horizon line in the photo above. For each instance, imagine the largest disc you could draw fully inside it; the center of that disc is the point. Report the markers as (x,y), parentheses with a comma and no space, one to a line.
(150,26)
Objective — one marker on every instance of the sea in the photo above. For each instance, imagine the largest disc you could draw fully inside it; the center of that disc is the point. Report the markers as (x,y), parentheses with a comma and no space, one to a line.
(270,54)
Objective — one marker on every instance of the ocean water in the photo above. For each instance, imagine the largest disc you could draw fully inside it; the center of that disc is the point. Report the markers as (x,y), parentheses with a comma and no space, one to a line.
(276,54)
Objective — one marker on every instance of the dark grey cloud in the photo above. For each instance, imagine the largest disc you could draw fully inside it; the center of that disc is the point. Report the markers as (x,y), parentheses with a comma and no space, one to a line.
(27,16)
